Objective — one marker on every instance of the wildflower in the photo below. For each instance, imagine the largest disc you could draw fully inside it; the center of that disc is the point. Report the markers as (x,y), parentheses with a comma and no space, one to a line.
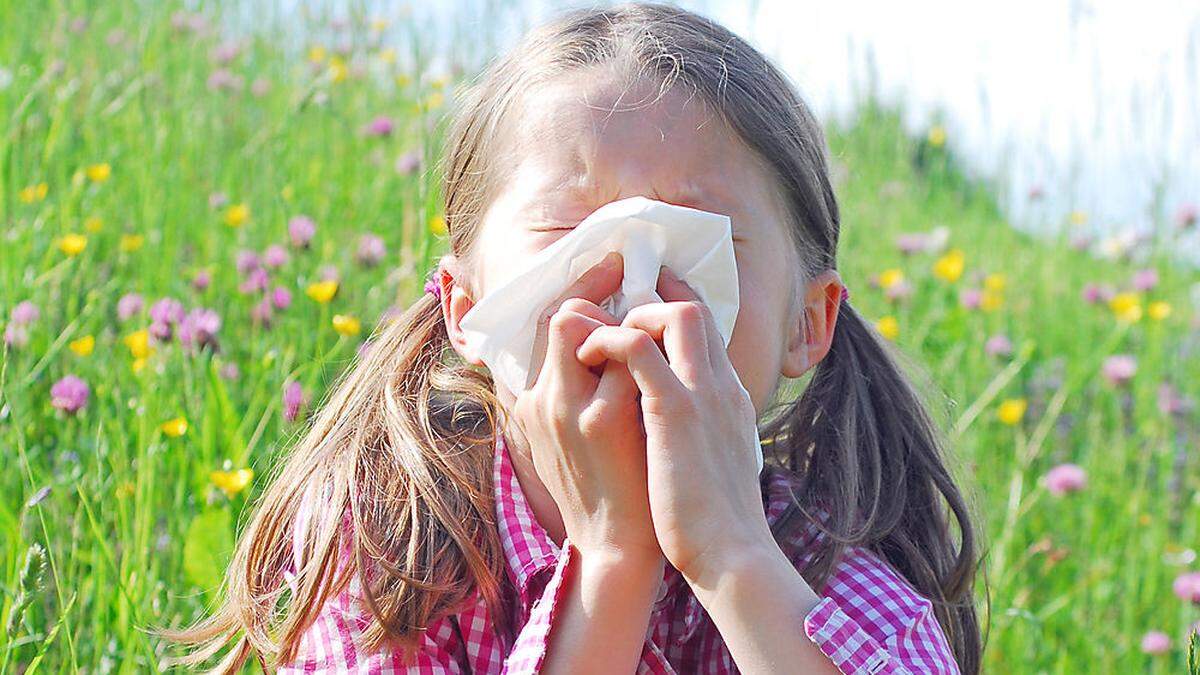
(223,78)
(226,52)
(1155,642)
(998,345)
(902,290)
(888,327)
(1159,310)
(990,301)
(937,136)
(167,311)
(322,291)
(217,199)
(261,313)
(437,225)
(33,193)
(434,100)
(408,163)
(1171,402)
(236,215)
(950,266)
(174,427)
(275,256)
(281,297)
(15,336)
(890,277)
(1096,293)
(138,343)
(371,250)
(131,242)
(328,273)
(128,305)
(229,371)
(199,328)
(995,282)
(69,394)
(1012,410)
(1078,217)
(301,230)
(83,346)
(1126,306)
(93,224)
(337,69)
(25,313)
(1064,479)
(260,87)
(1119,369)
(316,54)
(201,280)
(247,261)
(232,482)
(98,173)
(256,281)
(970,298)
(346,324)
(1186,216)
(379,127)
(1145,280)
(293,400)
(1187,587)
(72,244)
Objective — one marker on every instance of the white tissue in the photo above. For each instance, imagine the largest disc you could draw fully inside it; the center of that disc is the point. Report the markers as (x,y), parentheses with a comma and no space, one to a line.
(696,245)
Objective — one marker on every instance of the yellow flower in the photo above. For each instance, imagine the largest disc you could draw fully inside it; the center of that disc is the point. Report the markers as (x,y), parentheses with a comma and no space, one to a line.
(995,282)
(131,242)
(1159,310)
(232,482)
(950,266)
(403,79)
(888,327)
(316,54)
(83,346)
(138,343)
(322,291)
(337,69)
(93,224)
(434,100)
(387,55)
(174,428)
(346,324)
(437,225)
(890,277)
(72,244)
(937,136)
(33,193)
(1078,217)
(236,215)
(138,364)
(1012,410)
(98,173)
(990,300)
(1127,306)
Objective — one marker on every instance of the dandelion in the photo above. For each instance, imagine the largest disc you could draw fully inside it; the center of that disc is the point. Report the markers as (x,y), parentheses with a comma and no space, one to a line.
(950,266)
(1126,306)
(937,136)
(70,394)
(138,343)
(995,282)
(301,230)
(293,400)
(371,250)
(990,301)
(1012,410)
(437,225)
(232,482)
(1187,587)
(131,242)
(888,327)
(128,305)
(346,324)
(33,193)
(72,244)
(1159,310)
(83,346)
(322,291)
(237,215)
(1119,369)
(98,173)
(1155,642)
(174,427)
(1064,479)
(93,224)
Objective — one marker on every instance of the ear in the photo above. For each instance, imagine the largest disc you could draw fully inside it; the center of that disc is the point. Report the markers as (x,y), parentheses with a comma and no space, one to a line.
(456,302)
(811,333)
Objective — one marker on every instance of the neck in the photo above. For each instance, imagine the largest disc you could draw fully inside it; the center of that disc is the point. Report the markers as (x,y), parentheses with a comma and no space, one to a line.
(540,501)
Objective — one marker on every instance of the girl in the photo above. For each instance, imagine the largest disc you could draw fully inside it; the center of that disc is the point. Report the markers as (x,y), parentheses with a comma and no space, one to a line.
(608,519)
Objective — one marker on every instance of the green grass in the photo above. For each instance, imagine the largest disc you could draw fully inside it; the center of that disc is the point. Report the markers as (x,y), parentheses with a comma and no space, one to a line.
(134,529)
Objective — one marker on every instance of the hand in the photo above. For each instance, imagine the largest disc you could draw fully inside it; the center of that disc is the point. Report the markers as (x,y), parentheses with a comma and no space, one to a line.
(584,428)
(705,500)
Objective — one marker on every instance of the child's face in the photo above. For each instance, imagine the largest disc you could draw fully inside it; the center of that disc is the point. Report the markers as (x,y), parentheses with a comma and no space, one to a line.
(577,155)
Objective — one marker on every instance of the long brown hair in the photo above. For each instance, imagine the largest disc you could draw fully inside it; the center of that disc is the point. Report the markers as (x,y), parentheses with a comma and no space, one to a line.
(404,442)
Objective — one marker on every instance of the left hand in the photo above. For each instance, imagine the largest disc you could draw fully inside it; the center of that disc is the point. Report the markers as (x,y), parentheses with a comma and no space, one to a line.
(705,499)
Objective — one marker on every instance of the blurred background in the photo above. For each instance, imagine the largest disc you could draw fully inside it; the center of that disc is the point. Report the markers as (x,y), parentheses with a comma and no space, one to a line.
(206,208)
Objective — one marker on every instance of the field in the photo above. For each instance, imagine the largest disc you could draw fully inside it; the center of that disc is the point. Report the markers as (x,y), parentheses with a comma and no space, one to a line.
(198,233)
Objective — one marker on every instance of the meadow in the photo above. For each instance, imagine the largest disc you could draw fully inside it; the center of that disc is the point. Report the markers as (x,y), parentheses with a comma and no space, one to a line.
(199,232)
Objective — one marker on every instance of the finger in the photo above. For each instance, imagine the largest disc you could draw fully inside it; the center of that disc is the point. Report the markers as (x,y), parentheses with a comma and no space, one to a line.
(600,281)
(589,308)
(616,383)
(671,288)
(638,351)
(561,369)
(680,327)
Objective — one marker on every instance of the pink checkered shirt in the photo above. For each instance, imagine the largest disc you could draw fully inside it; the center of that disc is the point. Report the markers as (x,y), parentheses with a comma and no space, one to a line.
(870,619)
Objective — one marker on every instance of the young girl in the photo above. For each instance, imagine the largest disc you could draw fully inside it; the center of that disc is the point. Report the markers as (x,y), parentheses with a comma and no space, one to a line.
(609,518)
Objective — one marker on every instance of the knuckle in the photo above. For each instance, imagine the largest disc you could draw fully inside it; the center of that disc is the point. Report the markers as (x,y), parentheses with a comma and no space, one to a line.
(641,343)
(561,321)
(595,418)
(579,305)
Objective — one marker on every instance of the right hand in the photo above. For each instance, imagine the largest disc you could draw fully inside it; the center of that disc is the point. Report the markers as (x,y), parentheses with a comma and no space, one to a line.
(584,427)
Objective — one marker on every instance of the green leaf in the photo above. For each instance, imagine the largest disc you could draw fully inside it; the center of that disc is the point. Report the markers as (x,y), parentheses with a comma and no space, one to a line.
(208,547)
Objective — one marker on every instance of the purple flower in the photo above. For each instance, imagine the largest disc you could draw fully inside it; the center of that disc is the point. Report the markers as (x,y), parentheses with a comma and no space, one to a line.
(380,126)
(293,400)
(1096,293)
(970,298)
(1065,478)
(69,394)
(371,250)
(223,78)
(408,163)
(1119,369)
(301,230)
(161,331)
(247,261)
(25,313)
(1155,642)
(15,336)
(257,280)
(202,280)
(199,328)
(275,256)
(226,52)
(128,305)
(261,313)
(167,311)
(1144,280)
(217,199)
(1187,587)
(281,297)
(229,371)
(998,345)
(260,87)
(901,290)
(1171,402)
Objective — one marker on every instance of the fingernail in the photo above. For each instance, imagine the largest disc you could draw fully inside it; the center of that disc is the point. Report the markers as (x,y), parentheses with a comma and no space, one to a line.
(611,258)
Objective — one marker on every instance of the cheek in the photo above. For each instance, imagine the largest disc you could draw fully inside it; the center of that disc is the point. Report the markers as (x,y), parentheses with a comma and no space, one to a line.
(754,348)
